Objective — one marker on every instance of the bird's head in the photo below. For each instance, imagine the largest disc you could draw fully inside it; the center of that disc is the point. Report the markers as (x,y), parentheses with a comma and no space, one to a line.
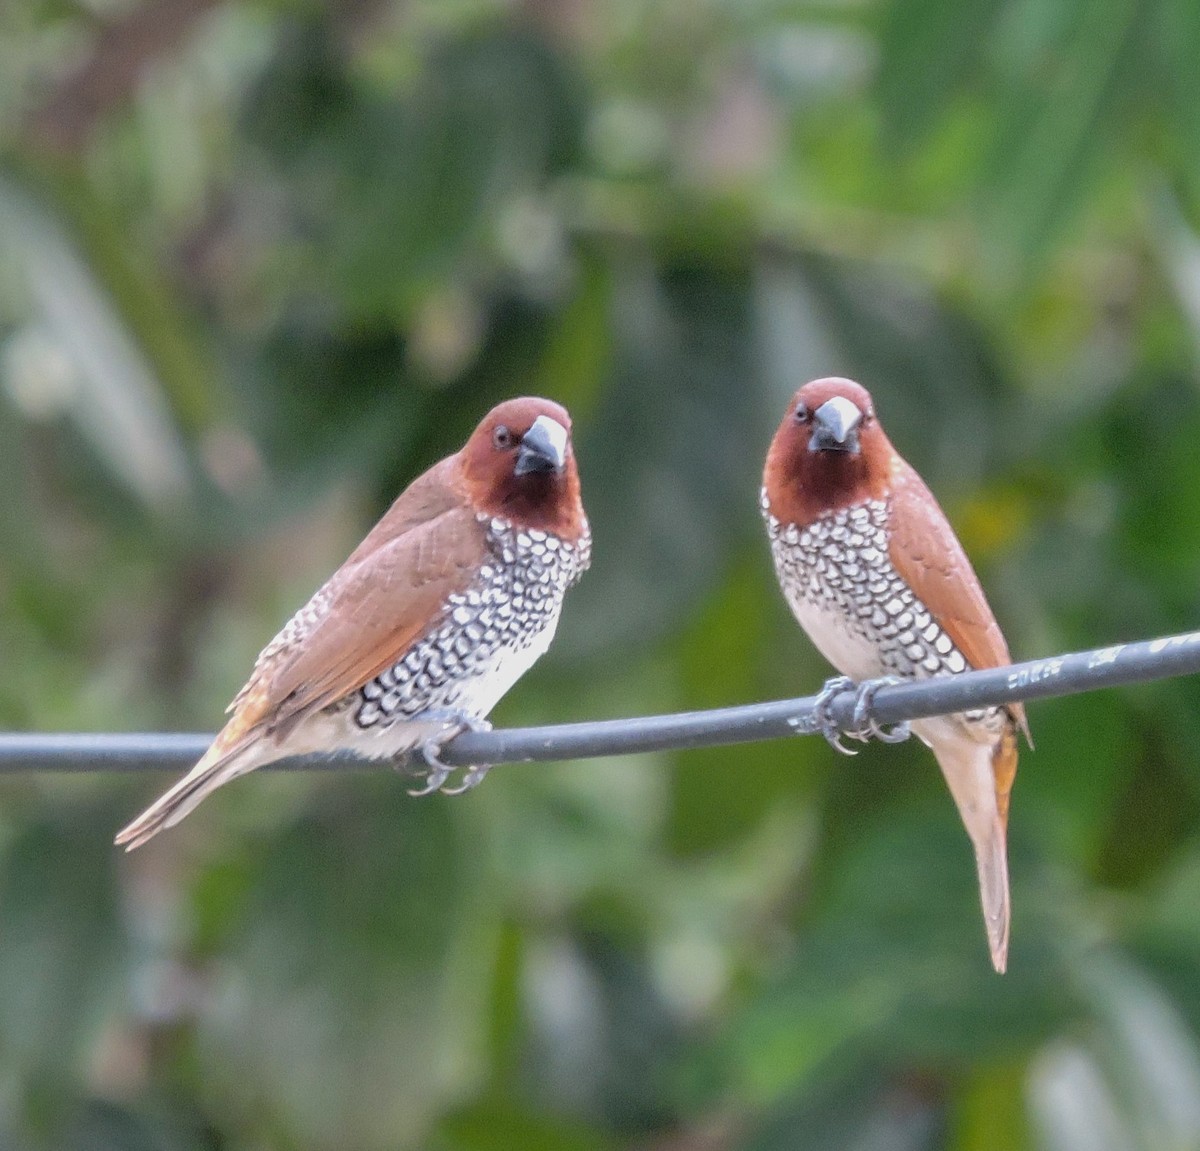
(519,464)
(828,453)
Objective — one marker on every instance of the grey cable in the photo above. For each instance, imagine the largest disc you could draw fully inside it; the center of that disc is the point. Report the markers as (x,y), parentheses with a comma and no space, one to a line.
(891,704)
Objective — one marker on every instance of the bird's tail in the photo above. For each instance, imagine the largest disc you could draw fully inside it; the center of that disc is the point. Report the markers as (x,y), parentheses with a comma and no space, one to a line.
(218,766)
(980,778)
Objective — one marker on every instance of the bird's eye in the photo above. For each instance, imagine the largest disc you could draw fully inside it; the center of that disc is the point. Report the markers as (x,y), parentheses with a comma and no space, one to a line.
(802,414)
(502,437)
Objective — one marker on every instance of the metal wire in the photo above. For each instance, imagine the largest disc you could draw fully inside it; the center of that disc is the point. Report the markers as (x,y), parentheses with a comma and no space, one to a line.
(892,704)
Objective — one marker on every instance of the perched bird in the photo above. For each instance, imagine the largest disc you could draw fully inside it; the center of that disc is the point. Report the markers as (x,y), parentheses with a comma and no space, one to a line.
(449,600)
(875,575)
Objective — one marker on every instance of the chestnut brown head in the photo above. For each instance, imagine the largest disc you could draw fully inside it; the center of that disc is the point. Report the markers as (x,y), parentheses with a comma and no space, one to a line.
(828,453)
(519,464)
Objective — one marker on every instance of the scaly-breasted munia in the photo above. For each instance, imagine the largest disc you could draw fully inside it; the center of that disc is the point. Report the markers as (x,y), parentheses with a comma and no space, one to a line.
(875,575)
(449,600)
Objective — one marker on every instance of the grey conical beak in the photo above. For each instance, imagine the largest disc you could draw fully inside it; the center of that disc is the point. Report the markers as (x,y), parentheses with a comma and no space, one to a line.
(543,448)
(835,427)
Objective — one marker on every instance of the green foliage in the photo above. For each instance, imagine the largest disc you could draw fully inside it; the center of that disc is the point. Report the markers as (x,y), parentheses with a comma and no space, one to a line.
(260,263)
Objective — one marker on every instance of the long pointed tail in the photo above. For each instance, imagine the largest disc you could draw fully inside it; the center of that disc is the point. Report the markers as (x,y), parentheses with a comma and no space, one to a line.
(991,861)
(980,778)
(218,766)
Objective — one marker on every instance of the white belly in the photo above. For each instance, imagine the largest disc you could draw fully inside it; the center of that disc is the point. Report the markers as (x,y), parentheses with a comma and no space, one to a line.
(833,635)
(481,693)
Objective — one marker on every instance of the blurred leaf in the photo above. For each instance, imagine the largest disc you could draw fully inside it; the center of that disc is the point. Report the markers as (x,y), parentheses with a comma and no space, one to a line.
(604,1038)
(891,959)
(1178,32)
(928,50)
(677,480)
(1161,495)
(113,394)
(506,1030)
(861,1107)
(720,793)
(1153,811)
(1052,130)
(1072,807)
(336,987)
(62,956)
(496,1126)
(108,1127)
(991,1115)
(1073,1108)
(401,187)
(1150,1055)
(1166,937)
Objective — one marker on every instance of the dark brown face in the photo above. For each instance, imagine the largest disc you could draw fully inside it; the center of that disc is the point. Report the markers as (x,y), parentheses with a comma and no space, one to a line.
(828,453)
(519,464)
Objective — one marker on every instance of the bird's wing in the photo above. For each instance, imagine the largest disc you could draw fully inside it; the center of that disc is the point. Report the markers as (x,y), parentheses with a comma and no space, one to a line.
(381,601)
(926,553)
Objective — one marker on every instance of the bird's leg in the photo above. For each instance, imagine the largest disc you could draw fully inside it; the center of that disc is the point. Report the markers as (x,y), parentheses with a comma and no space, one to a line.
(864,725)
(821,721)
(456,722)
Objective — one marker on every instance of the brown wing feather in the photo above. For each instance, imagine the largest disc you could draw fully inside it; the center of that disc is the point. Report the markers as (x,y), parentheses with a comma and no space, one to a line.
(429,496)
(384,598)
(378,611)
(926,553)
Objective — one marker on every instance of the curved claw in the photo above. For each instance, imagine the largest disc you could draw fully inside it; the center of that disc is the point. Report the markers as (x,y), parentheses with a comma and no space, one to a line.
(865,726)
(429,750)
(434,778)
(473,778)
(823,722)
(895,734)
(835,741)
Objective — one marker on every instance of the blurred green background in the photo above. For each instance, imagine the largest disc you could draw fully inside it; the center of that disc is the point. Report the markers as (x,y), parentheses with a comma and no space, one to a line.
(261,261)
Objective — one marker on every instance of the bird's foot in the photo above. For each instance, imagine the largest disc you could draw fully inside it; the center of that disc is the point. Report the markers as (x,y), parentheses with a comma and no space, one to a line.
(437,772)
(865,726)
(822,721)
